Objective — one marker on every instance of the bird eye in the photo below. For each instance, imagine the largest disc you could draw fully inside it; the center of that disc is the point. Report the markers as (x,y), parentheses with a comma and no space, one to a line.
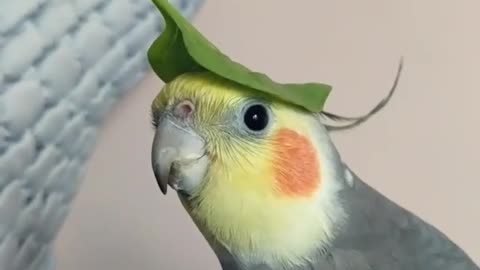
(256,117)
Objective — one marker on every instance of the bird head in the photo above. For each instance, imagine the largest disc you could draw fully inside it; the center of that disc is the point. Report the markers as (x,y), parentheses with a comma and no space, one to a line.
(256,174)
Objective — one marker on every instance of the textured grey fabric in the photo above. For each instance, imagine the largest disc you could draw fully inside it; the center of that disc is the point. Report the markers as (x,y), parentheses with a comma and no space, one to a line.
(63,64)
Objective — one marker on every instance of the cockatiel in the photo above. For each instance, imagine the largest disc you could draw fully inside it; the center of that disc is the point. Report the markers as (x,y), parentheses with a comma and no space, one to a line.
(254,166)
(267,188)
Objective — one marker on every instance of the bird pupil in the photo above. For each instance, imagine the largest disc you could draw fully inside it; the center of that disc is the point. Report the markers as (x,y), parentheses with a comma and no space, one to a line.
(256,117)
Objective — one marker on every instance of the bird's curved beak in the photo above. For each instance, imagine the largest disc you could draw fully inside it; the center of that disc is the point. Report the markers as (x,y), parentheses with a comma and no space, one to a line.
(179,159)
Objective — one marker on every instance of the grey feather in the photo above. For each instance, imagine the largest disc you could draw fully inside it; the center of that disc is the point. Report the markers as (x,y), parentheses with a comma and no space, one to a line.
(381,235)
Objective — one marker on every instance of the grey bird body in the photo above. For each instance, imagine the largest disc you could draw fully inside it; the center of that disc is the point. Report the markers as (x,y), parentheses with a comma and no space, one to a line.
(379,234)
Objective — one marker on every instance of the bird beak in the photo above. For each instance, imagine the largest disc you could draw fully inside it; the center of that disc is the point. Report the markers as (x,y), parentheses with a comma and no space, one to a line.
(179,159)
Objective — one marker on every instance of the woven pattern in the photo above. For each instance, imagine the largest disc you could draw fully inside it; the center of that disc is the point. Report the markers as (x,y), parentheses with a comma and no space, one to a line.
(63,64)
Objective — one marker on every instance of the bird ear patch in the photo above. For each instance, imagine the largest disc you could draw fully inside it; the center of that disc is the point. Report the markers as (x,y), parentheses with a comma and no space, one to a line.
(181,48)
(295,164)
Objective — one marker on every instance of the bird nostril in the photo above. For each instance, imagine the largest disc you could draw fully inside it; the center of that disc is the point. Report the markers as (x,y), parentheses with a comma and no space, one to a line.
(184,109)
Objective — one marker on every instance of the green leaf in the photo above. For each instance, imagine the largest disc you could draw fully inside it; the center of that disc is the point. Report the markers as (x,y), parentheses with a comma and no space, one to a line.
(180,48)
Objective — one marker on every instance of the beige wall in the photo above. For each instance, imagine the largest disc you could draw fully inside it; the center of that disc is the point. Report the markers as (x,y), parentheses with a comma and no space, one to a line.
(422,151)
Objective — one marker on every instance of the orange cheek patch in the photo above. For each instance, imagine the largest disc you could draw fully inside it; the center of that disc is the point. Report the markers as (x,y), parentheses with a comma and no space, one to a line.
(296,165)
(295,162)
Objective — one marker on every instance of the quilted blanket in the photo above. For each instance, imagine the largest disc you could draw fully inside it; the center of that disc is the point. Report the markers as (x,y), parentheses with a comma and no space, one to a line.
(63,64)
